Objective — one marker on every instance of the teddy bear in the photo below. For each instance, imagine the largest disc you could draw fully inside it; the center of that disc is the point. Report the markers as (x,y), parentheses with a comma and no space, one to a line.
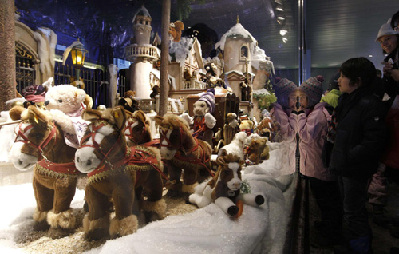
(230,128)
(204,121)
(175,30)
(71,101)
(67,98)
(246,125)
(258,151)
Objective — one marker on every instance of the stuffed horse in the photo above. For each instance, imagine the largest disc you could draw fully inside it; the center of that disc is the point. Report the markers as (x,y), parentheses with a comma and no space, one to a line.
(137,128)
(116,175)
(224,188)
(180,150)
(55,176)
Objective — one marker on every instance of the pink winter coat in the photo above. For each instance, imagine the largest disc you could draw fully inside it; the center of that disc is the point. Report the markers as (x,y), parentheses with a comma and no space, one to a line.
(312,130)
(288,143)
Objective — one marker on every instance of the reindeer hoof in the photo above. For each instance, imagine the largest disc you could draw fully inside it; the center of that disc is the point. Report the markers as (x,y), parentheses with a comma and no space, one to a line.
(259,200)
(97,234)
(41,226)
(232,210)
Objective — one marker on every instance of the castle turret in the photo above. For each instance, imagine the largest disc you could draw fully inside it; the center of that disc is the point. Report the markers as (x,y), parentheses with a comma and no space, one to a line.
(142,54)
(142,26)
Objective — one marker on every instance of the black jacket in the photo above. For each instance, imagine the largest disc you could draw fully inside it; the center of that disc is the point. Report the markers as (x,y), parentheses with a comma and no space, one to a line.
(360,134)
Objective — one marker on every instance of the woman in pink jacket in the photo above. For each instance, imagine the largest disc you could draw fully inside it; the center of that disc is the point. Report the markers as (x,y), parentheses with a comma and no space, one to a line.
(309,119)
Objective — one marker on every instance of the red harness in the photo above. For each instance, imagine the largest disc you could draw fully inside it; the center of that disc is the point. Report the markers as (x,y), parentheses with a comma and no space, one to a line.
(132,155)
(199,127)
(130,129)
(201,160)
(21,133)
(48,167)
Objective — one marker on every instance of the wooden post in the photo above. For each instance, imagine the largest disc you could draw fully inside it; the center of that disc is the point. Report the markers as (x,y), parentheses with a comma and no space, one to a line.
(7,52)
(164,85)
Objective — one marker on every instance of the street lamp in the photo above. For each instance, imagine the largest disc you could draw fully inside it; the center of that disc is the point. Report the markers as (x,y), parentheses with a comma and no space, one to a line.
(78,53)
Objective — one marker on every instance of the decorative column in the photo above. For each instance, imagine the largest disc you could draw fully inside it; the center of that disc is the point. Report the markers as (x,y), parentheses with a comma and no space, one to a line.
(7,52)
(163,104)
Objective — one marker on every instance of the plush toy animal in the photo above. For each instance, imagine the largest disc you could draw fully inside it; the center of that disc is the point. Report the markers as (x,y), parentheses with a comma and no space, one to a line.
(67,98)
(258,150)
(264,128)
(224,188)
(117,174)
(41,134)
(204,121)
(175,30)
(236,147)
(246,126)
(230,128)
(129,102)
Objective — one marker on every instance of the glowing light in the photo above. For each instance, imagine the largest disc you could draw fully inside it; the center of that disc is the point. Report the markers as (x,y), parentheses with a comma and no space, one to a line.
(370,56)
(283,32)
(284,39)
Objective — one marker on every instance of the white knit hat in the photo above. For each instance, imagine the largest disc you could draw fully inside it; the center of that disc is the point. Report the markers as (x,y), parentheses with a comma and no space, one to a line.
(386,29)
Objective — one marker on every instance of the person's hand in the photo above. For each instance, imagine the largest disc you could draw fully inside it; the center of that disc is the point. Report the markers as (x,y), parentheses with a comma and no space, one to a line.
(387,69)
(395,74)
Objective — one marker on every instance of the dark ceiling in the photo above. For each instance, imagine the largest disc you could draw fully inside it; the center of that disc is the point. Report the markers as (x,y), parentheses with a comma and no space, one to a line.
(335,29)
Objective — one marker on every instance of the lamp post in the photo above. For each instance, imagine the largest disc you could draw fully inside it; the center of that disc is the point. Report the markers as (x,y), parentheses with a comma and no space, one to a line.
(78,53)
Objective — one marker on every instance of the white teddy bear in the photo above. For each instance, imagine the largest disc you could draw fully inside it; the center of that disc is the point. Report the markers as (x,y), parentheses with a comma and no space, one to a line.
(67,98)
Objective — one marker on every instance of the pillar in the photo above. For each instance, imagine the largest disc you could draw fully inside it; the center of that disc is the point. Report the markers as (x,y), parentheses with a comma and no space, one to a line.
(7,52)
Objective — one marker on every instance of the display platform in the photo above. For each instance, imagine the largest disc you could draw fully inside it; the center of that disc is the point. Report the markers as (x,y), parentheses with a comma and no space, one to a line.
(185,229)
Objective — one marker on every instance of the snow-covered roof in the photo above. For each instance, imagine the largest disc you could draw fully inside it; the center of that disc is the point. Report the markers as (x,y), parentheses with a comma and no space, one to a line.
(141,12)
(182,49)
(259,56)
(237,30)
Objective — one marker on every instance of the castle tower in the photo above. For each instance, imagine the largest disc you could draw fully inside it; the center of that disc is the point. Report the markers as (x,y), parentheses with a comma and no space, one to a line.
(142,26)
(142,54)
(237,45)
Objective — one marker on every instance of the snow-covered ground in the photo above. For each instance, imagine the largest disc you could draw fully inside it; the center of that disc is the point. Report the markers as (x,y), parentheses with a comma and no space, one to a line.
(205,230)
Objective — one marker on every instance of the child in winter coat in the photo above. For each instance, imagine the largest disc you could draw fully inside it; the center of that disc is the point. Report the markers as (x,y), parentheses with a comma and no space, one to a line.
(280,114)
(309,119)
(359,140)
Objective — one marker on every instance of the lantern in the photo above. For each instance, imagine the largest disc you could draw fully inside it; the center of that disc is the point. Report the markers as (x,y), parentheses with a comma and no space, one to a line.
(78,53)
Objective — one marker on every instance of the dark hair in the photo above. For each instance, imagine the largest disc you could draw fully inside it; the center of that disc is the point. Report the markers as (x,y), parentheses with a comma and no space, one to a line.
(355,68)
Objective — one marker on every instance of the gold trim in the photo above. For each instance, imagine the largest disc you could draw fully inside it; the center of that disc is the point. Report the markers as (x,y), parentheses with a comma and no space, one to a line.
(44,171)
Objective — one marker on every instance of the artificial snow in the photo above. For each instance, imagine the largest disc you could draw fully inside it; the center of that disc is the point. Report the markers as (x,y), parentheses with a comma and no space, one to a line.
(206,230)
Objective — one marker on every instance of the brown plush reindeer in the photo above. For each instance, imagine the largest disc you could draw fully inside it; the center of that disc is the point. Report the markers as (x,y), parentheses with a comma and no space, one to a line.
(55,175)
(180,150)
(117,174)
(224,188)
